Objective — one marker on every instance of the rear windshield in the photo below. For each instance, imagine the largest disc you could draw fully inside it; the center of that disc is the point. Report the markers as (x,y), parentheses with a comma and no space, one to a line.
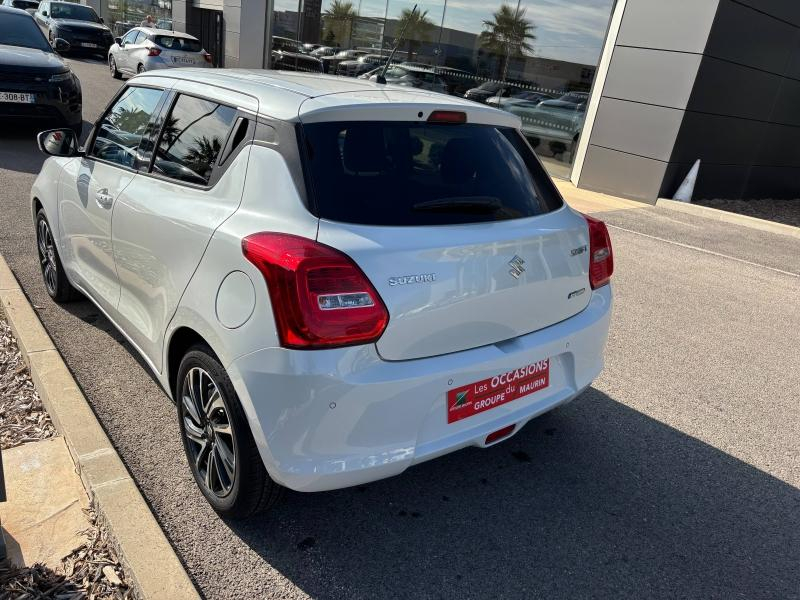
(176,43)
(400,173)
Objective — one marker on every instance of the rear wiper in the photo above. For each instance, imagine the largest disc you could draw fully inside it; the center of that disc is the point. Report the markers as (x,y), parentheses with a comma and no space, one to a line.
(483,204)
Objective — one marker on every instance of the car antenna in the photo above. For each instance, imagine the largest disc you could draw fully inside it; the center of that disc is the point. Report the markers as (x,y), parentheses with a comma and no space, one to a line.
(381,78)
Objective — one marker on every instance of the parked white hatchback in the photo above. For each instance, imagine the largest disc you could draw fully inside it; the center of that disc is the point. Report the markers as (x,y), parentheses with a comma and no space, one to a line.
(333,279)
(146,49)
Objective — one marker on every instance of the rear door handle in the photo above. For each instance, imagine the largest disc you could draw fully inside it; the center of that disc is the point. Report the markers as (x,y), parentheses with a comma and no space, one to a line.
(103,198)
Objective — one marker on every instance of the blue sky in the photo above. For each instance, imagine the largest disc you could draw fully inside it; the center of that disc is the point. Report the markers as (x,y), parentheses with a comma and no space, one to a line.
(570,30)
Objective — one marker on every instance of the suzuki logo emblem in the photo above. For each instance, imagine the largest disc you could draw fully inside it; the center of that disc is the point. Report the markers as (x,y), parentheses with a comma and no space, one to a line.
(517,267)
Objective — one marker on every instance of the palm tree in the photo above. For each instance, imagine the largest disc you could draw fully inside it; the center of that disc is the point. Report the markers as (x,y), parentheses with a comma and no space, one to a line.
(202,154)
(508,34)
(339,19)
(417,28)
(131,120)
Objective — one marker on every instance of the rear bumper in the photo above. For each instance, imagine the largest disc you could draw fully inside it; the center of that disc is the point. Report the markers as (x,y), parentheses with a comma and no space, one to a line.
(336,418)
(154,63)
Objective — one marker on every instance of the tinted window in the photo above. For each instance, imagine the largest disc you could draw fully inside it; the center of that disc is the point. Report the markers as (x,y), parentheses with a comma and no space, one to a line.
(192,137)
(120,131)
(176,43)
(423,174)
(24,4)
(73,11)
(22,30)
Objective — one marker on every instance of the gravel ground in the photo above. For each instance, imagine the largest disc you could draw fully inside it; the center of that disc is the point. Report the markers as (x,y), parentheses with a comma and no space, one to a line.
(780,211)
(93,569)
(22,417)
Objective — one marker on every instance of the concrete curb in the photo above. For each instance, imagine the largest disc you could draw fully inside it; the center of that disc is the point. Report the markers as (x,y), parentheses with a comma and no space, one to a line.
(729,217)
(146,554)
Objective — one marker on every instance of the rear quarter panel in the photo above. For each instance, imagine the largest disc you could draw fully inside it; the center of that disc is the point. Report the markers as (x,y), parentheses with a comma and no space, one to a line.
(270,202)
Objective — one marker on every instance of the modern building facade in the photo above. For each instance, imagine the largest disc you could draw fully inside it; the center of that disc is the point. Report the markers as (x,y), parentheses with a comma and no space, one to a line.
(620,96)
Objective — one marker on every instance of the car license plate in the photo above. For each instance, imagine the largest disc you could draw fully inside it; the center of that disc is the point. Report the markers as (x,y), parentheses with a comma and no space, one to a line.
(17,97)
(182,60)
(89,45)
(486,394)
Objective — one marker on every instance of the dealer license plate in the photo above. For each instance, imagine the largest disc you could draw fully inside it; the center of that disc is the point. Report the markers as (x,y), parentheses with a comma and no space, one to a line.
(17,97)
(89,45)
(183,60)
(503,388)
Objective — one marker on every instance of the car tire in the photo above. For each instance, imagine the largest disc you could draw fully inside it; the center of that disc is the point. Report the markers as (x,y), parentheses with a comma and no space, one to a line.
(214,429)
(112,66)
(55,279)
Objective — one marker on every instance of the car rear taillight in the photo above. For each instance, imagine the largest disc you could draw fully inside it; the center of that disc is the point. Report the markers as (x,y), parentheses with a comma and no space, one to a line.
(320,298)
(153,51)
(601,257)
(207,56)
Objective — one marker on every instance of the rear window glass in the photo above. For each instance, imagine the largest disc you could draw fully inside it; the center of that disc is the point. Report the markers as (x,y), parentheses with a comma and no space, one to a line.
(400,173)
(176,43)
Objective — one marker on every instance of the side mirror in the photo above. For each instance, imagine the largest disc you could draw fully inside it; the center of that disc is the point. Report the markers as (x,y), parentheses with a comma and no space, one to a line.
(44,13)
(61,45)
(58,142)
(102,21)
(118,41)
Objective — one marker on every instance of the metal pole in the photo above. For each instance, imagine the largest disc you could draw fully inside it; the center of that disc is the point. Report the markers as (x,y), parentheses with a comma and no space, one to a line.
(385,18)
(508,43)
(441,30)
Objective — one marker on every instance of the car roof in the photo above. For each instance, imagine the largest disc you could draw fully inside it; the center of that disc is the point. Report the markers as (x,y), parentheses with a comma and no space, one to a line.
(15,11)
(286,95)
(169,32)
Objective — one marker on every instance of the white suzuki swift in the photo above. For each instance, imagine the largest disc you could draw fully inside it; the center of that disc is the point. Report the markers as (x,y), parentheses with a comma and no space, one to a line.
(334,279)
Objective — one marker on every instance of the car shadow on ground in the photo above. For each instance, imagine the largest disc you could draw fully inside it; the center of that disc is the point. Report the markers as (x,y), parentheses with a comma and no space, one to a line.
(592,500)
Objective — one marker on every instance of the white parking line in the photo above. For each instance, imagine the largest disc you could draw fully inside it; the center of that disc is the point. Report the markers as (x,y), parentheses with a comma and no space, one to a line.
(690,247)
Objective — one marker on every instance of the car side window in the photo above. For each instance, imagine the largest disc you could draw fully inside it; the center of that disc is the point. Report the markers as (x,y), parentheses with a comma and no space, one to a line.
(120,131)
(192,137)
(129,37)
(140,38)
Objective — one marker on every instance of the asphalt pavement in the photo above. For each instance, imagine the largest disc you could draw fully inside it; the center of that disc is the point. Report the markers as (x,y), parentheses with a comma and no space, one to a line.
(675,476)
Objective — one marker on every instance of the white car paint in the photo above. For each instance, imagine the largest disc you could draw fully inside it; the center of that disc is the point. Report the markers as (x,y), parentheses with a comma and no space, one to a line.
(171,259)
(131,55)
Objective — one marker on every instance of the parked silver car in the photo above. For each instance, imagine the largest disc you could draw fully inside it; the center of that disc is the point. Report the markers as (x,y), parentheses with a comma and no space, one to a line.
(146,49)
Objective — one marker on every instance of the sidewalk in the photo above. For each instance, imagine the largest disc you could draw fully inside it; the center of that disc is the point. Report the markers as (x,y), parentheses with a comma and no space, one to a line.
(91,466)
(54,546)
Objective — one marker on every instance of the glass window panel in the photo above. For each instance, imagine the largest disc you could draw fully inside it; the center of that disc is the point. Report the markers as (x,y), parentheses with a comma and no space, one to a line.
(192,137)
(122,15)
(120,131)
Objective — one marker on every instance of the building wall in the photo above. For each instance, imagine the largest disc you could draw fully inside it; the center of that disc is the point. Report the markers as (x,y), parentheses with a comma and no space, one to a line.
(715,80)
(743,118)
(651,76)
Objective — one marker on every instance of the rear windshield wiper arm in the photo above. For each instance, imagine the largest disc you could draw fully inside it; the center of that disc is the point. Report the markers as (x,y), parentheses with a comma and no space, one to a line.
(484,204)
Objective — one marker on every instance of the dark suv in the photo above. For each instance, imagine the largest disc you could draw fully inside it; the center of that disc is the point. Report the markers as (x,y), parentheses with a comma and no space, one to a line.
(77,24)
(35,83)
